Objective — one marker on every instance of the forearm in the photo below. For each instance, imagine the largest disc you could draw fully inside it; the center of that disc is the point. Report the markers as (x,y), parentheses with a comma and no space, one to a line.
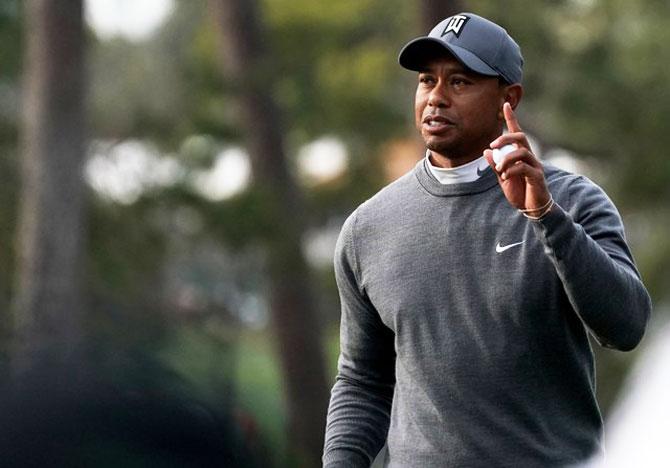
(360,404)
(358,421)
(598,276)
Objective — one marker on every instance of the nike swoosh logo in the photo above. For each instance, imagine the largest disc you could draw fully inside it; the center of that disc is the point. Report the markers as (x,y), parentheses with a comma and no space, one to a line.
(480,172)
(500,248)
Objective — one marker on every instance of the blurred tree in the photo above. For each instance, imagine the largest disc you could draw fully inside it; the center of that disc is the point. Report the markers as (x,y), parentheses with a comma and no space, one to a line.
(434,11)
(246,66)
(50,236)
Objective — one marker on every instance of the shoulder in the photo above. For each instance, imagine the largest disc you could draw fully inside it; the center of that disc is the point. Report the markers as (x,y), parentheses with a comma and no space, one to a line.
(560,180)
(381,206)
(564,183)
(397,190)
(577,193)
(375,214)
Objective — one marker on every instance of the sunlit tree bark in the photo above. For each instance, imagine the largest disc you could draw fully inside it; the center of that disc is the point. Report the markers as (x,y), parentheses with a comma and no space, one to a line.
(50,234)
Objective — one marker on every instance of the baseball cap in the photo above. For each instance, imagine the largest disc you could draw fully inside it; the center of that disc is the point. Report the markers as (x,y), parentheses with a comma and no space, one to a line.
(479,44)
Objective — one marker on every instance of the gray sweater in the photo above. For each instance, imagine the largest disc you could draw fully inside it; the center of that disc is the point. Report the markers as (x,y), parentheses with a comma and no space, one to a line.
(464,324)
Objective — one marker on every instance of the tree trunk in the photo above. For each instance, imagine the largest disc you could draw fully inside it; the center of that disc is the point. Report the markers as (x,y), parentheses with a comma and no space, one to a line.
(434,11)
(297,329)
(50,236)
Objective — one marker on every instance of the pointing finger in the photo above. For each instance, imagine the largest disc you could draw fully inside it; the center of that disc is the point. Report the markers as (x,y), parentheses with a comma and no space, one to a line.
(510,119)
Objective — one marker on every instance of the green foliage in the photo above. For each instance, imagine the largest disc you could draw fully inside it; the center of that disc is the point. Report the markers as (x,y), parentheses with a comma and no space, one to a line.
(254,219)
(260,390)
(10,68)
(126,256)
(338,70)
(10,33)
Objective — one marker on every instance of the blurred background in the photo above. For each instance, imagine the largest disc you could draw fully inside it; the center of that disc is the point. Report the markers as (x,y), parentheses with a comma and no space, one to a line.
(174,175)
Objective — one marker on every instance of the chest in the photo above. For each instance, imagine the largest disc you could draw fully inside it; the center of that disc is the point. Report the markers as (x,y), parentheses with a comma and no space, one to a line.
(459,267)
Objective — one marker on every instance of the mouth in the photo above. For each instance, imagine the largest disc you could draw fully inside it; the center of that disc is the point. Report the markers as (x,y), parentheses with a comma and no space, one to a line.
(436,123)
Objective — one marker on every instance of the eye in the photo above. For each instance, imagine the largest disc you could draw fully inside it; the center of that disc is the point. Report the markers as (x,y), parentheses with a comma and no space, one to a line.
(459,81)
(426,79)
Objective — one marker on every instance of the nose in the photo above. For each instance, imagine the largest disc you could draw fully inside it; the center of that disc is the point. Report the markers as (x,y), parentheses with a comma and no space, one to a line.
(438,96)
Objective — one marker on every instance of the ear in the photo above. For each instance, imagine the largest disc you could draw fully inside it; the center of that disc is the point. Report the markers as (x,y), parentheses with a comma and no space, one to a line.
(512,94)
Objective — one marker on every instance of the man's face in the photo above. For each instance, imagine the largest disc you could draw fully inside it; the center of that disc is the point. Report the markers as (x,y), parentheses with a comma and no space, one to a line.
(457,111)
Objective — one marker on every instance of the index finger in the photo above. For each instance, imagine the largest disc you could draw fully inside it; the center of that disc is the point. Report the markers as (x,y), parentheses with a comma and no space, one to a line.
(510,119)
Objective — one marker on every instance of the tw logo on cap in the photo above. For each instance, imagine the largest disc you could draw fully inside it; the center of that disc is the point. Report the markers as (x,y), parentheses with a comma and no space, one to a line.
(455,25)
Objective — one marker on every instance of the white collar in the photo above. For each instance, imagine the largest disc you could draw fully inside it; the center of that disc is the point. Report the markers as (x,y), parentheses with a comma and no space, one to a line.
(468,172)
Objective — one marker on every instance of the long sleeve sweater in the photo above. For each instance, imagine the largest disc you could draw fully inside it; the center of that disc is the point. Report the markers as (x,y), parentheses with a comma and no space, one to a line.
(464,324)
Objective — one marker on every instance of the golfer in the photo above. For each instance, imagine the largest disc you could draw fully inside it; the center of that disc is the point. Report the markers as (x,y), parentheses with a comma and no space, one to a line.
(469,286)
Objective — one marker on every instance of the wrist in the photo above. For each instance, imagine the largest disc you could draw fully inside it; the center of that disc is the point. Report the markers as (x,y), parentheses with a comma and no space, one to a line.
(539,212)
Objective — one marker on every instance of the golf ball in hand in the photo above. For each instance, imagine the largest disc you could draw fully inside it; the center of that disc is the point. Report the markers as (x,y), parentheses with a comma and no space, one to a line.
(500,153)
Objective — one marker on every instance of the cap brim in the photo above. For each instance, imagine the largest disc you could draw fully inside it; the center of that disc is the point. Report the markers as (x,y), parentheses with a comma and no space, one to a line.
(418,52)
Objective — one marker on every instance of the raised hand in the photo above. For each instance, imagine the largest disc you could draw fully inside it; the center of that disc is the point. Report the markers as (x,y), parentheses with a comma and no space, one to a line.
(520,173)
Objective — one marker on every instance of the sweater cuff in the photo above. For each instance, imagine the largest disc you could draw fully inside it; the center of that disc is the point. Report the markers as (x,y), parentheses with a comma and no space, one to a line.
(555,228)
(345,459)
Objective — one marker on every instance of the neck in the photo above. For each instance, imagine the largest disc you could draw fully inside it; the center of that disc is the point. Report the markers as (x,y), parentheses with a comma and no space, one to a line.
(449,162)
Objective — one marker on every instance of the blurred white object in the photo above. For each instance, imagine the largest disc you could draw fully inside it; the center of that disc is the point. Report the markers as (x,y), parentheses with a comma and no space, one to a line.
(131,19)
(638,431)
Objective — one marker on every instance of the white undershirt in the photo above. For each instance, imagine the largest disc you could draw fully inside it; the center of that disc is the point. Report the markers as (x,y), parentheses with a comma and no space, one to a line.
(468,172)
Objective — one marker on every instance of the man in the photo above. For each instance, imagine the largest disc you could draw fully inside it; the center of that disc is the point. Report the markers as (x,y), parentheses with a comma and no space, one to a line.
(468,286)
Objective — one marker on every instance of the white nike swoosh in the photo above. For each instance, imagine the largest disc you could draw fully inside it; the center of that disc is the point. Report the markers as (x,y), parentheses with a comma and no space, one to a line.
(500,248)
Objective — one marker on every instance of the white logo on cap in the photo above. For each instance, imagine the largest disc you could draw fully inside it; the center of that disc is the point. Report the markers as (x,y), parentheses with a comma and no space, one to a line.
(455,25)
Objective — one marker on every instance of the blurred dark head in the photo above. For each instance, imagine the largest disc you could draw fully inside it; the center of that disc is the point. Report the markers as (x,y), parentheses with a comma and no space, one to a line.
(58,418)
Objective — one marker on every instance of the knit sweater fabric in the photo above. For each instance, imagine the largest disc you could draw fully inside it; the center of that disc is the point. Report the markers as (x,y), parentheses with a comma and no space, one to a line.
(464,324)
